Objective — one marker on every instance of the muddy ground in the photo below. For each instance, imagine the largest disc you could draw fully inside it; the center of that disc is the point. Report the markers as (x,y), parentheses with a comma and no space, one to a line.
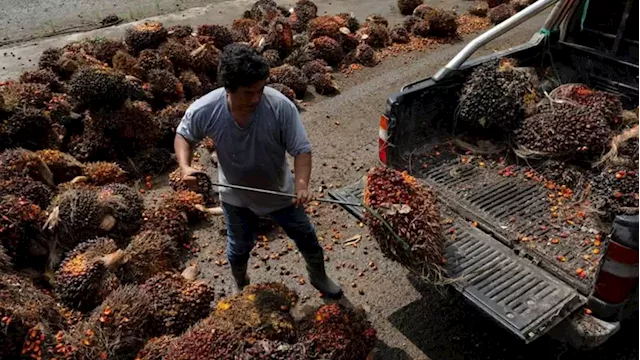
(413,320)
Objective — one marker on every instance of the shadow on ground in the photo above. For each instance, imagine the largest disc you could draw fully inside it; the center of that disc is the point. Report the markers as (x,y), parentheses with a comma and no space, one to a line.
(444,327)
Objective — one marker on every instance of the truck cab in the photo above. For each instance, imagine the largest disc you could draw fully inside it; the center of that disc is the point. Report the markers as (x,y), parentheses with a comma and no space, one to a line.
(528,287)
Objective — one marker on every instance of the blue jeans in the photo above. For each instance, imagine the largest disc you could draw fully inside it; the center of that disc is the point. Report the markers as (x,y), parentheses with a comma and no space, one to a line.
(241,231)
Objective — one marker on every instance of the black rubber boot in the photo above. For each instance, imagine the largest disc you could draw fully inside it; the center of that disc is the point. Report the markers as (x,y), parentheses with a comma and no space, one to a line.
(318,276)
(240,276)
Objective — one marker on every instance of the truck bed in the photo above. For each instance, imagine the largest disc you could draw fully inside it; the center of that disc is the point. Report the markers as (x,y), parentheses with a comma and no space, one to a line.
(516,293)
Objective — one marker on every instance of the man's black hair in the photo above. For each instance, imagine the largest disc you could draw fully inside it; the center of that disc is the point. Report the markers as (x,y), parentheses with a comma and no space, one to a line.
(240,66)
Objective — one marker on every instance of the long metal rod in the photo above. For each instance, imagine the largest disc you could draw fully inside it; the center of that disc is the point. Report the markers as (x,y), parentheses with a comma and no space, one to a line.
(277,193)
(491,34)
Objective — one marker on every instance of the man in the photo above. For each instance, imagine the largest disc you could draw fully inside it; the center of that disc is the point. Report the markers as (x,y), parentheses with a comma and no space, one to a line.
(253,126)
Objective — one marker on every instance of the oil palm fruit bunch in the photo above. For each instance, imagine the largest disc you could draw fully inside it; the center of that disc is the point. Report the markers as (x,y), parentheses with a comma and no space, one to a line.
(180,301)
(86,275)
(404,217)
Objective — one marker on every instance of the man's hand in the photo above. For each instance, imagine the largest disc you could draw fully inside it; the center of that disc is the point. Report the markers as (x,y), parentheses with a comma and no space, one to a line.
(303,196)
(188,177)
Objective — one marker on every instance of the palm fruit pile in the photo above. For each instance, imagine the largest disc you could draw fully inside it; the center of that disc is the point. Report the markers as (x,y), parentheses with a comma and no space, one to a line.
(495,96)
(149,253)
(204,186)
(404,218)
(179,302)
(23,307)
(565,129)
(85,277)
(116,329)
(442,23)
(615,191)
(341,333)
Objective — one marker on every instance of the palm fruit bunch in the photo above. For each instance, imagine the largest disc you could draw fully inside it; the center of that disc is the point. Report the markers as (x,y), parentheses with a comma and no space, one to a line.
(177,53)
(374,34)
(608,104)
(191,84)
(220,36)
(291,77)
(171,214)
(115,329)
(205,59)
(328,50)
(149,253)
(105,49)
(91,145)
(406,7)
(127,137)
(209,339)
(156,348)
(243,28)
(495,96)
(169,118)
(49,59)
(204,186)
(19,224)
(416,26)
(165,87)
(405,221)
(275,350)
(479,8)
(63,166)
(28,128)
(98,87)
(615,191)
(341,333)
(564,129)
(179,31)
(302,12)
(59,109)
(86,275)
(127,64)
(76,215)
(441,22)
(23,307)
(324,84)
(151,59)
(326,25)
(152,161)
(20,95)
(317,66)
(278,37)
(24,163)
(263,309)
(363,54)
(26,188)
(399,34)
(302,54)
(145,36)
(286,91)
(187,201)
(42,76)
(500,13)
(103,173)
(127,207)
(179,302)
(272,57)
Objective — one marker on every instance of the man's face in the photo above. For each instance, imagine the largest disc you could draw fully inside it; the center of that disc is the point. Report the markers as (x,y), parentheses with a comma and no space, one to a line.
(247,98)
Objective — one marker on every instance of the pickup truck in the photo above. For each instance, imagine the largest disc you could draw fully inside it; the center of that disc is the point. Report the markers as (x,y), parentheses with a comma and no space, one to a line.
(528,290)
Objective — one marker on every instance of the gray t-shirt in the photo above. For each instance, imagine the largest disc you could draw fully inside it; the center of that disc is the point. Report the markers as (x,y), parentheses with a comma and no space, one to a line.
(252,156)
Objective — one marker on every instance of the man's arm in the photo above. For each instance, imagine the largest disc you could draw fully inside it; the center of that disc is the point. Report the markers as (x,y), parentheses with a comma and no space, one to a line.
(183,150)
(302,168)
(189,131)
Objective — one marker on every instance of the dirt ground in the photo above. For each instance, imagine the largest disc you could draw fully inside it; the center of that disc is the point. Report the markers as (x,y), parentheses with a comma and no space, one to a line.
(413,320)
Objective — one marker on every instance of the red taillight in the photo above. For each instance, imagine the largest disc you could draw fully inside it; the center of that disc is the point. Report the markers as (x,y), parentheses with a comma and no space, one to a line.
(382,139)
(618,275)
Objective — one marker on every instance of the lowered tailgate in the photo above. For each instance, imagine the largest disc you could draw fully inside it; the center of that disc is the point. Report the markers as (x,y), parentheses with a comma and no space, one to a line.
(523,298)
